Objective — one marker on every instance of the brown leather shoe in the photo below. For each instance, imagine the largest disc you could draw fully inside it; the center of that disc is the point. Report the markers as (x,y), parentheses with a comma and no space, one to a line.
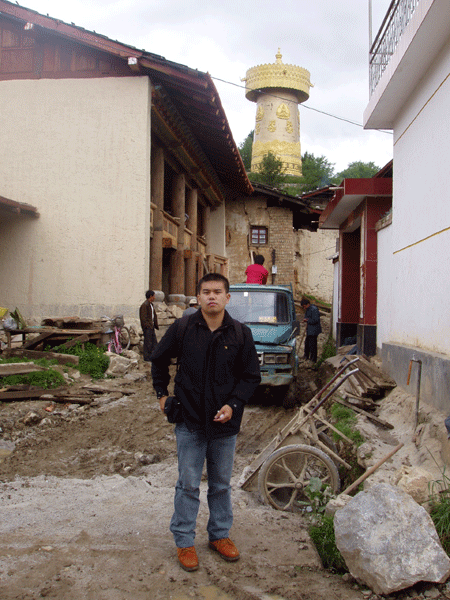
(188,558)
(226,549)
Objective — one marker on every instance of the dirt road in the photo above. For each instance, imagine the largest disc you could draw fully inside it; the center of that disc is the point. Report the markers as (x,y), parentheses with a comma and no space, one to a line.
(86,499)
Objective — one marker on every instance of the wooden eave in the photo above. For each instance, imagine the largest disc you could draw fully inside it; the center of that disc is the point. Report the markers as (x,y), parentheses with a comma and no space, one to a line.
(83,36)
(17,208)
(180,140)
(302,216)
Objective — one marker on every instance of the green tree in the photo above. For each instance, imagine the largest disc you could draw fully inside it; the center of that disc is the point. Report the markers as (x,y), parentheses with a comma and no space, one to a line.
(245,150)
(357,170)
(317,172)
(270,170)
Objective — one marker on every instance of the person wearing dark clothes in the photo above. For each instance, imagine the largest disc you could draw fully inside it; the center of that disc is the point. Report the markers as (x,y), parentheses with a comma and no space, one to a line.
(149,322)
(218,371)
(313,328)
(256,273)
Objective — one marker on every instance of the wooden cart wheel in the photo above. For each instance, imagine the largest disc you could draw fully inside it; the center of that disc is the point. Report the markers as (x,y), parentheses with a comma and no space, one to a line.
(285,474)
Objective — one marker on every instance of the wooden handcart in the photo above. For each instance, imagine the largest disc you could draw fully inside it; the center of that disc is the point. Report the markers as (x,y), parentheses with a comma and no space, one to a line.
(300,452)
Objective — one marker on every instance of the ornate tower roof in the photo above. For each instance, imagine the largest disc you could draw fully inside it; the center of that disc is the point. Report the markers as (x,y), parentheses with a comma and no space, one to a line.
(279,76)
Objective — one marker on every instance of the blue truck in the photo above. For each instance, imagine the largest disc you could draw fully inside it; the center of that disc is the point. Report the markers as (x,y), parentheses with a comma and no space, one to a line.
(269,311)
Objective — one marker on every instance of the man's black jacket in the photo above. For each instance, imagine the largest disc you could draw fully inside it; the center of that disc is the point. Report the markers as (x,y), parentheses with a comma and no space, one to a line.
(313,326)
(214,370)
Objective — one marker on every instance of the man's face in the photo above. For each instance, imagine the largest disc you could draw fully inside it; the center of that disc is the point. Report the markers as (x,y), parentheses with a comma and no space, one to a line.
(151,298)
(212,297)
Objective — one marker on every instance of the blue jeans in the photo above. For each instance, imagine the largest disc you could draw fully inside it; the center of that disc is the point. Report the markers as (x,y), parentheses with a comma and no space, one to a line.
(193,448)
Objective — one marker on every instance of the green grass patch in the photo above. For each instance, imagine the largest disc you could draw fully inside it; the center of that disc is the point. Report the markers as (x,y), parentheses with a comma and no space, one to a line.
(329,350)
(93,360)
(439,499)
(344,420)
(322,534)
(317,301)
(48,379)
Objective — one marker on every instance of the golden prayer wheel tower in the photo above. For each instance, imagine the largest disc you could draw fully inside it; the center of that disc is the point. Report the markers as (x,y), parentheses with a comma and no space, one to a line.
(277,89)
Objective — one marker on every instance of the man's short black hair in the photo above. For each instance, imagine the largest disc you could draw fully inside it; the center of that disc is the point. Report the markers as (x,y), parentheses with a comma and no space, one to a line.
(213,277)
(259,259)
(304,302)
(149,294)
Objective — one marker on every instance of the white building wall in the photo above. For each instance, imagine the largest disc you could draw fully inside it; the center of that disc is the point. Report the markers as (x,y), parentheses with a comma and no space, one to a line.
(421,213)
(78,150)
(385,286)
(313,269)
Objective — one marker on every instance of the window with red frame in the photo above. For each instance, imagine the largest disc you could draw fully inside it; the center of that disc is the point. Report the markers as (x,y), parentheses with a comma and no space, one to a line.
(258,236)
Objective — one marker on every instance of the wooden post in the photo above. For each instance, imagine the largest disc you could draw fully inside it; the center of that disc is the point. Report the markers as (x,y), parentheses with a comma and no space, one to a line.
(157,193)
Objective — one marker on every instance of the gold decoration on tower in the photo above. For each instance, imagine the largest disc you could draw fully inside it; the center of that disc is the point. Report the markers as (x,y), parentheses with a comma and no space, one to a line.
(277,89)
(283,111)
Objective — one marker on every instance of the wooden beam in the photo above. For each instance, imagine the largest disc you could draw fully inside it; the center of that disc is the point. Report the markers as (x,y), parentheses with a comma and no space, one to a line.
(63,359)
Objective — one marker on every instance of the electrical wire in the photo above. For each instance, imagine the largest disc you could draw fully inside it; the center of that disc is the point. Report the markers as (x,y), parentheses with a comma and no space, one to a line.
(243,87)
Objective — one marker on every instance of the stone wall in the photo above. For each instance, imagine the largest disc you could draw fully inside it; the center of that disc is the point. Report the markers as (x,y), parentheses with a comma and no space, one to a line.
(300,257)
(240,217)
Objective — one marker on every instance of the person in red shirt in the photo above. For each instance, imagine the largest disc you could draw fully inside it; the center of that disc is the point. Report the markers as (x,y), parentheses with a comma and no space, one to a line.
(256,273)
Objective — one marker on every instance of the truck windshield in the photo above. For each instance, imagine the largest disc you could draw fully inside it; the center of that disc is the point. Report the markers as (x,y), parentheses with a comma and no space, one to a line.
(251,306)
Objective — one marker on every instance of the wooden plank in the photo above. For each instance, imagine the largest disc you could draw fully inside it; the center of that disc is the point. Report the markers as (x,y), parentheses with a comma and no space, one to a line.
(365,413)
(366,403)
(18,369)
(63,359)
(81,339)
(380,378)
(22,395)
(36,341)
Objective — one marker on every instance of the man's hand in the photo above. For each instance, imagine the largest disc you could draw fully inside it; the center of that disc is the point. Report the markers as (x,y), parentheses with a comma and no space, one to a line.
(224,414)
(162,402)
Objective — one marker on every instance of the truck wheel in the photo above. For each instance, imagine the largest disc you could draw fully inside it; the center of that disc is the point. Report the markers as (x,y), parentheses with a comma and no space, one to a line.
(290,398)
(287,472)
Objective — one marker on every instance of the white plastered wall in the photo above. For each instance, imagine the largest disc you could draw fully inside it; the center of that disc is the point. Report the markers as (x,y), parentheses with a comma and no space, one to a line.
(79,151)
(385,286)
(421,215)
(314,270)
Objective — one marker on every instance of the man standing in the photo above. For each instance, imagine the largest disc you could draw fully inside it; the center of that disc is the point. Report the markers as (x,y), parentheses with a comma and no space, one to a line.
(218,372)
(149,322)
(313,328)
(256,273)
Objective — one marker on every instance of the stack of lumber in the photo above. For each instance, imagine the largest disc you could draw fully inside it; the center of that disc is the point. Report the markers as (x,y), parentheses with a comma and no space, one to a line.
(367,385)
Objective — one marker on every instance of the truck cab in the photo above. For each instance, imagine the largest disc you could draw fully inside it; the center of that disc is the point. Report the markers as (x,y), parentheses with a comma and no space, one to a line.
(269,311)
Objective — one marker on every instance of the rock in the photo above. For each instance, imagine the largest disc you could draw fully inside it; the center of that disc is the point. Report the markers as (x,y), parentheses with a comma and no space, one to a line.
(175,311)
(337,503)
(31,418)
(414,481)
(146,459)
(131,354)
(119,365)
(388,541)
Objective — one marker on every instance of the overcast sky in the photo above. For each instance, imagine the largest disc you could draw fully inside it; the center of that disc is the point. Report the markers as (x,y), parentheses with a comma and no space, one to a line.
(329,38)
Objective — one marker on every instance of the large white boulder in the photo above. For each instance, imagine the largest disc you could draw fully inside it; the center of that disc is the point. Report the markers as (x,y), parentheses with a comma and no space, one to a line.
(388,541)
